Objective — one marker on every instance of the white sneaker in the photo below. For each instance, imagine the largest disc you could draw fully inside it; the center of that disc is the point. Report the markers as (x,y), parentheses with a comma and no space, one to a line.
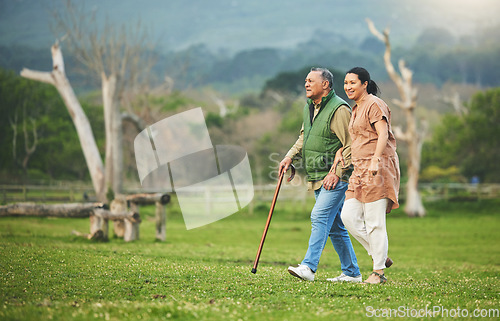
(346,278)
(302,272)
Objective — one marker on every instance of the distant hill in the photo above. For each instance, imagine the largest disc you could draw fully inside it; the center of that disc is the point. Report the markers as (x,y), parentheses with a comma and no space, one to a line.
(235,25)
(235,46)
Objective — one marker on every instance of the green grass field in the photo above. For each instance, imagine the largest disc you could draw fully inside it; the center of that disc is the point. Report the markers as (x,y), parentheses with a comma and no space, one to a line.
(447,263)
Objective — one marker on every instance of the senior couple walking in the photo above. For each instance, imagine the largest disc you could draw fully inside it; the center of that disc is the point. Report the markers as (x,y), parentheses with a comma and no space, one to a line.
(352,167)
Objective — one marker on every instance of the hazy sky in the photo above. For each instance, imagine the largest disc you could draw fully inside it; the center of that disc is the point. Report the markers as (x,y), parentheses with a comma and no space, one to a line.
(239,24)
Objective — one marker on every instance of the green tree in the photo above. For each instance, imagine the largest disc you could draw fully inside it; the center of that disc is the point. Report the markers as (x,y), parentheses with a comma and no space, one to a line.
(247,63)
(293,81)
(470,142)
(58,154)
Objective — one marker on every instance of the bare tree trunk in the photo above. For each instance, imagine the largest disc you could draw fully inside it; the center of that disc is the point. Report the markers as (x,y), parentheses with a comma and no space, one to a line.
(455,101)
(118,205)
(13,125)
(131,230)
(107,85)
(99,224)
(49,210)
(116,54)
(29,150)
(160,200)
(114,133)
(411,136)
(414,206)
(135,120)
(58,79)
(145,199)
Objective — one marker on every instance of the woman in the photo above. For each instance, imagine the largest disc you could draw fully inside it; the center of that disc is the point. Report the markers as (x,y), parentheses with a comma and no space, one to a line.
(374,184)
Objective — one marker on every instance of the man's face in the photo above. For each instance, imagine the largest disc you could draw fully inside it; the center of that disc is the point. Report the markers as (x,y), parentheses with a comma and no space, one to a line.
(315,86)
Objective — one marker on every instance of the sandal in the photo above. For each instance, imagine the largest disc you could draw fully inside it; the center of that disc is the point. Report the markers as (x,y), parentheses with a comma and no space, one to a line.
(382,277)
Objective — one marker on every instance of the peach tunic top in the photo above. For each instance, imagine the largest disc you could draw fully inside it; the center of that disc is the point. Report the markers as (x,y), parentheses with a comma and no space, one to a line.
(364,187)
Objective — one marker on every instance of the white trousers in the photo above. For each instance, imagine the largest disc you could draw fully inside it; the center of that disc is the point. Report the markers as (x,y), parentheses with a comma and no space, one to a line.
(366,223)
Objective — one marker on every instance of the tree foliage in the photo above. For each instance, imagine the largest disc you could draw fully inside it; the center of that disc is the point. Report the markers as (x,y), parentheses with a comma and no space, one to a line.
(58,154)
(293,81)
(470,142)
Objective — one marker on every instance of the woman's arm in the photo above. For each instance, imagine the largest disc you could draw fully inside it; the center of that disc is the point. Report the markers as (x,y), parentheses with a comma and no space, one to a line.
(383,135)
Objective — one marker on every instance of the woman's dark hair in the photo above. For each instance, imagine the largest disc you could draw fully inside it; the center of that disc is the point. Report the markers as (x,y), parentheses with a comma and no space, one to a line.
(364,76)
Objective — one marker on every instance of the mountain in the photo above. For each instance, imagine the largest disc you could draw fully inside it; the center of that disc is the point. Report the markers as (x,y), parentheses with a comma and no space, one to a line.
(235,25)
(236,46)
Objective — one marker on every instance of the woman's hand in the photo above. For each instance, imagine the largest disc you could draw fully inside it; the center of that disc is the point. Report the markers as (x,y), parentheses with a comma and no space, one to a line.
(374,165)
(338,158)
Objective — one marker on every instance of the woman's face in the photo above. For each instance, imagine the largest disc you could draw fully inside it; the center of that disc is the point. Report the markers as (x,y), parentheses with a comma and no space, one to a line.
(353,87)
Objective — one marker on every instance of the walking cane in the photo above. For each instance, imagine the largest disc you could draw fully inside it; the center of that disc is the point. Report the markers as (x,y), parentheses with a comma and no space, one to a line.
(280,179)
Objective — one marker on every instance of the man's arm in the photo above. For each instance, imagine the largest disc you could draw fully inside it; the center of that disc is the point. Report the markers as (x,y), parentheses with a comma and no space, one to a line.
(293,152)
(297,147)
(340,126)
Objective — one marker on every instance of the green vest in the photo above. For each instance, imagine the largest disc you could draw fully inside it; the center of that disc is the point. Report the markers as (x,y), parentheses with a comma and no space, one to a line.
(320,144)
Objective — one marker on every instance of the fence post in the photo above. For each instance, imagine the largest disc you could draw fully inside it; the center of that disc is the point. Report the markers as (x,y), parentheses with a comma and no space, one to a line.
(161,219)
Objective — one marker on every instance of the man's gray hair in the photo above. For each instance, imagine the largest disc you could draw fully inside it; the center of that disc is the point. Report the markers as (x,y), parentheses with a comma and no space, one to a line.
(326,74)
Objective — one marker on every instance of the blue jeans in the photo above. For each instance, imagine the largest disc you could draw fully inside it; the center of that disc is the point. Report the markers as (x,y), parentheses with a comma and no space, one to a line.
(326,221)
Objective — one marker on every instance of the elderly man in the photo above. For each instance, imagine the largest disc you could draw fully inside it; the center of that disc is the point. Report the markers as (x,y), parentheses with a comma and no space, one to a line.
(323,139)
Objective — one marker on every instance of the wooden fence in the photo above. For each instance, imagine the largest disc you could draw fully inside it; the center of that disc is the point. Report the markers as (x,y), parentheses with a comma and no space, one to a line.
(59,192)
(458,191)
(69,192)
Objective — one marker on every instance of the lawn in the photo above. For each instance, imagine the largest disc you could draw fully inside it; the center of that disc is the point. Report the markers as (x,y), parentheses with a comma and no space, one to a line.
(446,265)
